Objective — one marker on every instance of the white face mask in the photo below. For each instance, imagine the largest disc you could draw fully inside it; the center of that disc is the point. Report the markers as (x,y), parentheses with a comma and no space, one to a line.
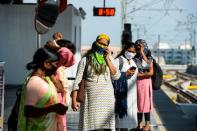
(129,55)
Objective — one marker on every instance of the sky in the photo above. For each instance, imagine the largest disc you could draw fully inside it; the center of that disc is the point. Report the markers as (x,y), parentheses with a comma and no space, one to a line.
(169,20)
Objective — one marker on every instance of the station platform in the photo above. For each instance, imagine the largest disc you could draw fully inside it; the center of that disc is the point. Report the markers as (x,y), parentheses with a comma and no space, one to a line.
(165,116)
(170,117)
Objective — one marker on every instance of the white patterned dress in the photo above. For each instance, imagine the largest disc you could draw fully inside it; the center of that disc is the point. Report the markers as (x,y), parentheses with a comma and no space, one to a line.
(97,112)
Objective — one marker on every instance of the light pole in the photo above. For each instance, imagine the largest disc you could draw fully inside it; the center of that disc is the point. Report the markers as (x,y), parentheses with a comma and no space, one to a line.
(38,40)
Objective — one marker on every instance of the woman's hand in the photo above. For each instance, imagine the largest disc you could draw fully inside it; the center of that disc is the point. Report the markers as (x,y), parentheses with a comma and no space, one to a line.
(142,48)
(75,103)
(143,54)
(107,53)
(112,68)
(57,84)
(130,72)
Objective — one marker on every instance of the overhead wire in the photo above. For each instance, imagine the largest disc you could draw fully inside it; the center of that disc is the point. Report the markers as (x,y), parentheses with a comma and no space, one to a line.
(145,5)
(167,8)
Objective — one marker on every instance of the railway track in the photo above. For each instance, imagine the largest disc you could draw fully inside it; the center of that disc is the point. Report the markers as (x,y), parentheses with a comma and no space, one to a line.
(175,85)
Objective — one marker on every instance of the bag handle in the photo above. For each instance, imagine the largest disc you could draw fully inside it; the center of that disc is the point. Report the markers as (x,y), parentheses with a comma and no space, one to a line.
(121,62)
(85,69)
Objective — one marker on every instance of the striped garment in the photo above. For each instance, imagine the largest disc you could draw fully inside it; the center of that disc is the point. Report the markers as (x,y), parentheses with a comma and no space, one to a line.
(97,112)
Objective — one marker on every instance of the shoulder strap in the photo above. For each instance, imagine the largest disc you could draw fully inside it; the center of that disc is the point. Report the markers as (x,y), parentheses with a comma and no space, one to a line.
(85,69)
(121,62)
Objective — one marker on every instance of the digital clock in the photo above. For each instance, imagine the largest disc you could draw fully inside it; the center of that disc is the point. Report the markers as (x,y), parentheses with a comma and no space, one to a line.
(100,11)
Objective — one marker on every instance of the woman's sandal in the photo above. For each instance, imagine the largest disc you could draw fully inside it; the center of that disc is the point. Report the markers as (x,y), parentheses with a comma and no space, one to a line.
(149,129)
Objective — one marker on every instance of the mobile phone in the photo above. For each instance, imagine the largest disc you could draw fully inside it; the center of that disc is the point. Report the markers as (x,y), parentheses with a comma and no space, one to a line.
(132,68)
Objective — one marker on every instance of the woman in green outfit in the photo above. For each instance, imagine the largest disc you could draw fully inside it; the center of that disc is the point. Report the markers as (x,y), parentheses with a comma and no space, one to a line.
(38,105)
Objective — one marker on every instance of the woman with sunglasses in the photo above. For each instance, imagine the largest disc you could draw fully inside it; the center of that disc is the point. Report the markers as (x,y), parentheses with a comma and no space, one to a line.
(97,111)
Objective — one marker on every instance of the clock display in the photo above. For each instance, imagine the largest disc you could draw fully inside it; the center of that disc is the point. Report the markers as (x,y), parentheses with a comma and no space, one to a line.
(99,11)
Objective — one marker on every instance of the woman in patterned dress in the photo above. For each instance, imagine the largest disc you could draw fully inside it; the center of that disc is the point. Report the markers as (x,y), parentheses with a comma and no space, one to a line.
(97,111)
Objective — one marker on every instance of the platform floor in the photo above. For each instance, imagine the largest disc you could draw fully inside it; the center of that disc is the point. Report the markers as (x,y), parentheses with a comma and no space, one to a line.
(164,117)
(171,117)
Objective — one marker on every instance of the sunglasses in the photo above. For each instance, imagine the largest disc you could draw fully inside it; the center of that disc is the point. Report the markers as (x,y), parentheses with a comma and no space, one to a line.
(103,45)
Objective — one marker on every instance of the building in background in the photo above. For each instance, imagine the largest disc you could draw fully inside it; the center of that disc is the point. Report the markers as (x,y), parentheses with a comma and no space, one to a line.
(182,55)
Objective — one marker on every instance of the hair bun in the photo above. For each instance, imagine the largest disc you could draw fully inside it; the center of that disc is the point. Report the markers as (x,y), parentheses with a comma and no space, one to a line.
(31,65)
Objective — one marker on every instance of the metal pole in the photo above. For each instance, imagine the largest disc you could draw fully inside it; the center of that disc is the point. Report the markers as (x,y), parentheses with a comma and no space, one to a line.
(38,40)
(103,3)
(195,54)
(37,34)
(123,13)
(158,49)
(138,33)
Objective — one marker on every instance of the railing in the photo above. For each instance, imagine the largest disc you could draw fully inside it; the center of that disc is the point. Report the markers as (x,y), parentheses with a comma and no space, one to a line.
(174,67)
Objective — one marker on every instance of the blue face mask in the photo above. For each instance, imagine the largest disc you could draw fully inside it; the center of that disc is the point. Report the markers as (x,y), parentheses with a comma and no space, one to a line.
(99,49)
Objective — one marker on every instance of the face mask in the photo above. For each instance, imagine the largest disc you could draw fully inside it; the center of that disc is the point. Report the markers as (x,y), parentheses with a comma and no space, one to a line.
(51,71)
(129,55)
(99,49)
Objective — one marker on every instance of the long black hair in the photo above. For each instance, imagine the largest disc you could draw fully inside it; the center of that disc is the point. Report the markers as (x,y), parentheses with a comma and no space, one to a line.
(40,56)
(87,54)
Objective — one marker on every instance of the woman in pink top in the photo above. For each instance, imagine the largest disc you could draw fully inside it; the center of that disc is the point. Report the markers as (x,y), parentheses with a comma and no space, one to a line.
(144,63)
(66,51)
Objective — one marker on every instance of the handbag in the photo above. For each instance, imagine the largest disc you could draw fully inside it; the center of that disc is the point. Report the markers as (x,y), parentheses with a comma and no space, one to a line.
(81,91)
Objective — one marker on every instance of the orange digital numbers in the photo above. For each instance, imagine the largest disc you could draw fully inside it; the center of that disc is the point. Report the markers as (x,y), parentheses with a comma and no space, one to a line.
(107,12)
(112,12)
(99,11)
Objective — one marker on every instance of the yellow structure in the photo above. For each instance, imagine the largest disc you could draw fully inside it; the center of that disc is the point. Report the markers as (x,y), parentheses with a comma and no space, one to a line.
(168,76)
(192,87)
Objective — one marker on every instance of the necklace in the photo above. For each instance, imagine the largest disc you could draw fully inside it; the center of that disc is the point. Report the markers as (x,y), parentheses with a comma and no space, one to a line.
(128,61)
